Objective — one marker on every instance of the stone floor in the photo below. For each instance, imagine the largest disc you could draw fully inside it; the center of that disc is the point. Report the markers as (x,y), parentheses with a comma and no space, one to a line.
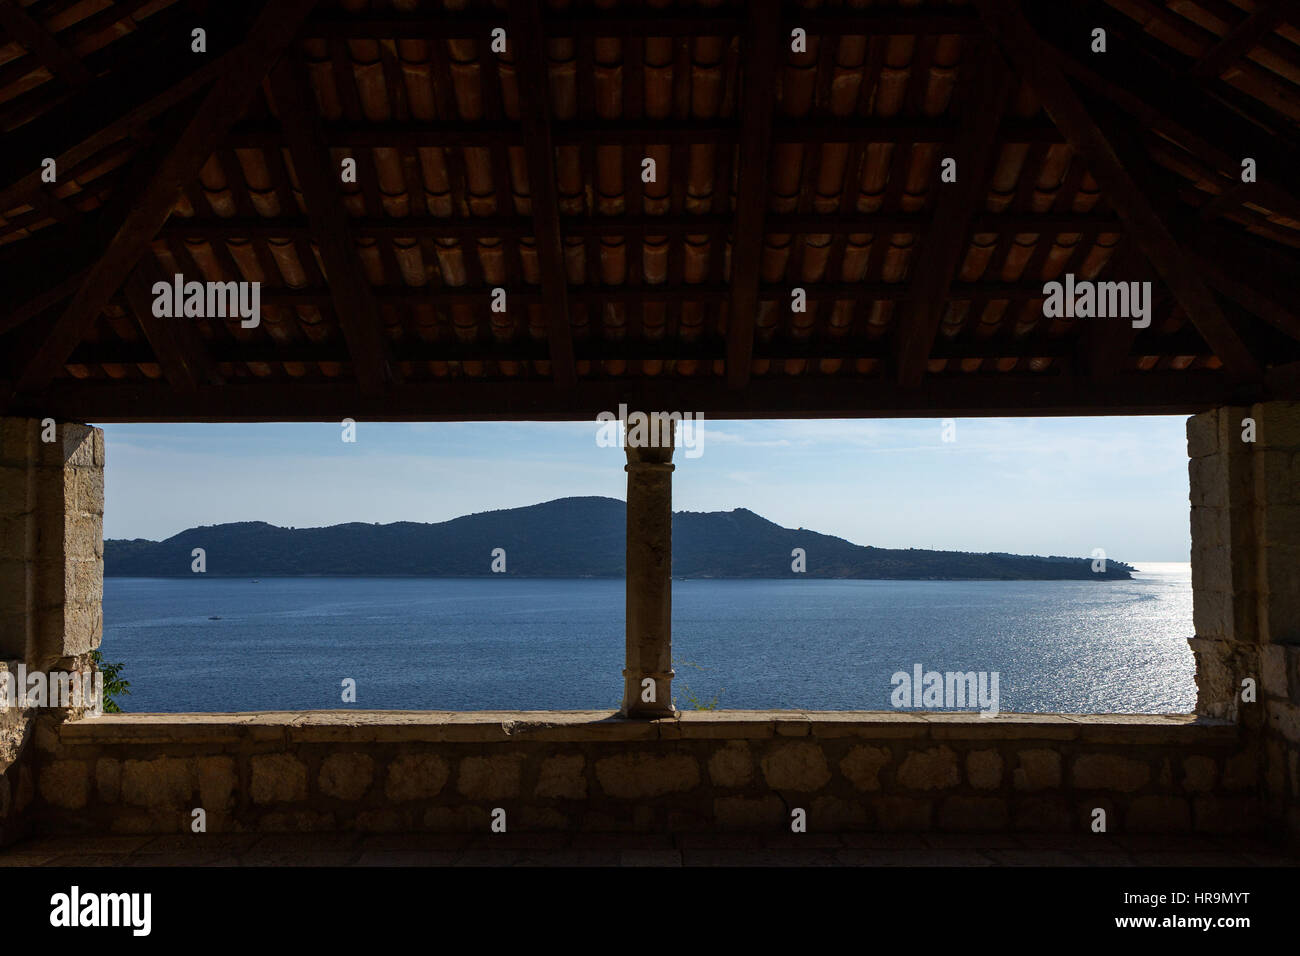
(848,849)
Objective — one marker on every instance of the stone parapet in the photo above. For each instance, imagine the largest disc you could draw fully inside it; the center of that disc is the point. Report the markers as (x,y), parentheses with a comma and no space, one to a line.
(595,771)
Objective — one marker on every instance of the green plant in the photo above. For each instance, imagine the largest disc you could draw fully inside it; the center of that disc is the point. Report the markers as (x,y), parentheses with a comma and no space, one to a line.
(688,696)
(114,685)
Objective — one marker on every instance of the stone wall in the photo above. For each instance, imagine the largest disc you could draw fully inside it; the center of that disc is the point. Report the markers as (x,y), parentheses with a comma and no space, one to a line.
(1245,497)
(51,542)
(385,771)
(51,576)
(16,777)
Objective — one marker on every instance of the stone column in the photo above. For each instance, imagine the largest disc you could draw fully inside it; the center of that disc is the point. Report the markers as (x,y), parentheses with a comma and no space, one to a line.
(1245,494)
(649,568)
(51,541)
(51,578)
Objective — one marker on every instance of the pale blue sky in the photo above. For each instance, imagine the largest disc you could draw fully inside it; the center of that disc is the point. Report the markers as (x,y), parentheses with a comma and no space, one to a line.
(1030,486)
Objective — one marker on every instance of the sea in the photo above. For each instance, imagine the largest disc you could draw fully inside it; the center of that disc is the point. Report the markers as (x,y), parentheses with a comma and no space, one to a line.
(216,645)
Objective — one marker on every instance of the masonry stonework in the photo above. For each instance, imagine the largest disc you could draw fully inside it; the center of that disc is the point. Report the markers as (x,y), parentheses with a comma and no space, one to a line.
(597,772)
(51,581)
(1245,498)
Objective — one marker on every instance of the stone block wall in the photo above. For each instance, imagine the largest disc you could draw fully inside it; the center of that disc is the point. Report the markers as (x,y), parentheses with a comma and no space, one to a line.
(17,781)
(51,542)
(51,576)
(1245,497)
(739,770)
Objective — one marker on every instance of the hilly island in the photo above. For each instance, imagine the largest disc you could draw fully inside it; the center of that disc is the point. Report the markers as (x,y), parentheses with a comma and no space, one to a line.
(565,538)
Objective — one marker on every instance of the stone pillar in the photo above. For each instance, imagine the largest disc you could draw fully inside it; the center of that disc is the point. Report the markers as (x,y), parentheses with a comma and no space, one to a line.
(51,542)
(649,567)
(51,577)
(1245,494)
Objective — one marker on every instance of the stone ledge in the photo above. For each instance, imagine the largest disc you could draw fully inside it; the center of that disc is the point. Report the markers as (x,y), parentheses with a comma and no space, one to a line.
(606,726)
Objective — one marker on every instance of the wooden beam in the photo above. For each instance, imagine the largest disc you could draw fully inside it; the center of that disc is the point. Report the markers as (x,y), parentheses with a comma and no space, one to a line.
(1233,262)
(1245,35)
(941,253)
(175,342)
(1041,69)
(1186,115)
(270,34)
(474,24)
(1105,343)
(38,303)
(596,297)
(1272,96)
(102,114)
(353,298)
(434,227)
(265,134)
(528,47)
(1284,379)
(994,395)
(1243,282)
(1231,198)
(43,44)
(763,56)
(523,348)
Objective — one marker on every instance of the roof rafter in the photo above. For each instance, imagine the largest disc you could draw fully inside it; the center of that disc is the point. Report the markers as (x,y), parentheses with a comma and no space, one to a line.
(1106,344)
(43,44)
(1186,115)
(175,344)
(353,299)
(1258,24)
(1215,251)
(1272,90)
(93,120)
(270,35)
(761,52)
(1246,273)
(941,254)
(526,43)
(1020,41)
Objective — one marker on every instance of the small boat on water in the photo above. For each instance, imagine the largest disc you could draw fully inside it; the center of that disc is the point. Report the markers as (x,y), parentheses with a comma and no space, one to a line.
(213,618)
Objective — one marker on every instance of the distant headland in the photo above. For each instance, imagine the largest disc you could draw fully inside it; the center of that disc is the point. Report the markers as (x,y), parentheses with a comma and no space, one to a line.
(565,538)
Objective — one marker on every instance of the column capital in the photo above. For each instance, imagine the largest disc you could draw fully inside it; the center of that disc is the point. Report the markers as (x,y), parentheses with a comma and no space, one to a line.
(649,437)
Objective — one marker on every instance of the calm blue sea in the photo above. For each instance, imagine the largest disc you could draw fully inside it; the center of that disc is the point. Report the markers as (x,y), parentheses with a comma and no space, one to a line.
(484,644)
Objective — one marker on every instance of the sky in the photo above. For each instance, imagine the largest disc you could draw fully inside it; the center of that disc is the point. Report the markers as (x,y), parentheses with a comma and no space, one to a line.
(1028,486)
